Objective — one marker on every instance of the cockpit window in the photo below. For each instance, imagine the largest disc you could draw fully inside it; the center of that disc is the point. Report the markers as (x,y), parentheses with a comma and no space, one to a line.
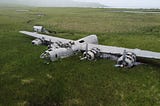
(49,49)
(81,41)
(56,56)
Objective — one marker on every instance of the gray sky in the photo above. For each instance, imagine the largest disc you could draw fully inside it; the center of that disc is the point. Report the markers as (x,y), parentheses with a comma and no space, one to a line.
(110,3)
(50,3)
(128,3)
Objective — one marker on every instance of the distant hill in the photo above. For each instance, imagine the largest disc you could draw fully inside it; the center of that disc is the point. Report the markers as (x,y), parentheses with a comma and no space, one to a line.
(50,3)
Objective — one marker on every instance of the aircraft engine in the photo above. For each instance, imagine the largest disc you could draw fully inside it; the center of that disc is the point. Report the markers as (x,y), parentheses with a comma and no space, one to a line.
(91,54)
(37,42)
(53,45)
(128,59)
(54,54)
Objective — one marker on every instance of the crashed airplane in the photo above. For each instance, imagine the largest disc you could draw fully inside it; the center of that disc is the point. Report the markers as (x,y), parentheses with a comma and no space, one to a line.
(62,48)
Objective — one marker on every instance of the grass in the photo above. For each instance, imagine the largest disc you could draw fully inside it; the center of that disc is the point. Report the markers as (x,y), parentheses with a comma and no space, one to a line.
(26,80)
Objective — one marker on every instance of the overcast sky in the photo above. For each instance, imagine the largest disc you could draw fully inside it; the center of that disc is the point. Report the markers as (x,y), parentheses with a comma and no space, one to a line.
(110,3)
(128,3)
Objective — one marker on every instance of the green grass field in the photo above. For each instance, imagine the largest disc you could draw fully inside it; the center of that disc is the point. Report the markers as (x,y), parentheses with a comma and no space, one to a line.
(26,81)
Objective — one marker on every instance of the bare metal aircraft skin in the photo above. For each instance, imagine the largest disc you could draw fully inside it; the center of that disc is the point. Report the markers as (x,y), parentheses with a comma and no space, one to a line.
(62,48)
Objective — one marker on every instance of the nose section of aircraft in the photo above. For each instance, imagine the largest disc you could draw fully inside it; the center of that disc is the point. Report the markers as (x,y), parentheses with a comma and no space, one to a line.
(45,56)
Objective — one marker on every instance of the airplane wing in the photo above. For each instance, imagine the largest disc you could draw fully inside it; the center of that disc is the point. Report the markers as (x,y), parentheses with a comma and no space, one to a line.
(45,37)
(120,51)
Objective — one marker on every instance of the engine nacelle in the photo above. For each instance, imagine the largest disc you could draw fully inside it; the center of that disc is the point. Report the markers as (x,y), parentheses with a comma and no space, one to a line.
(126,60)
(91,54)
(37,42)
(53,46)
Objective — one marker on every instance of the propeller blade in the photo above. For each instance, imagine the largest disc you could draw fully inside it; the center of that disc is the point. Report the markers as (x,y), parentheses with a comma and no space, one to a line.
(124,55)
(86,47)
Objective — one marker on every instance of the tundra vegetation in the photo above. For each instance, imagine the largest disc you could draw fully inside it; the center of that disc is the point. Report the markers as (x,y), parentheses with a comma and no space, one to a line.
(25,80)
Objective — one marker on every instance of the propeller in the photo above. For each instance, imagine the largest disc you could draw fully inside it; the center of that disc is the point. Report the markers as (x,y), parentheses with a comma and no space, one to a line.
(86,51)
(124,55)
(123,58)
(86,48)
(49,44)
(122,64)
